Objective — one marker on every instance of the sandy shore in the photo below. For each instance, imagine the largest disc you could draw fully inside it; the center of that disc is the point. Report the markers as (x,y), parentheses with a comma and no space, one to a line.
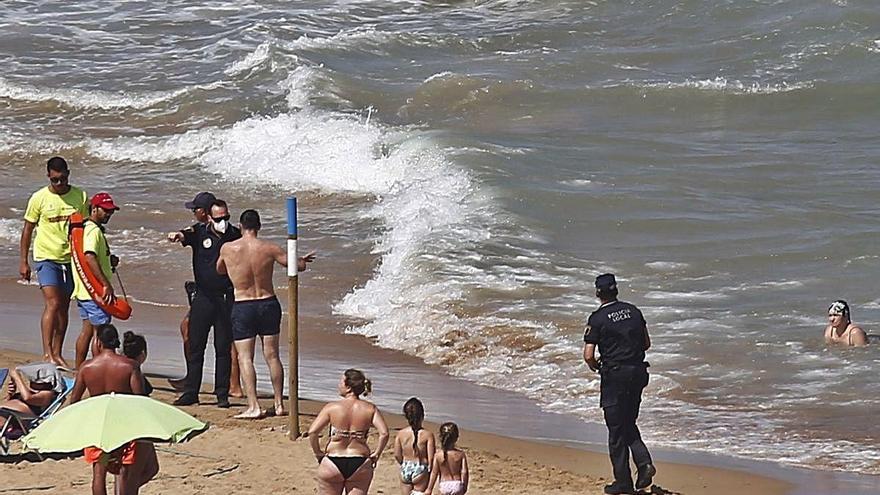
(257,457)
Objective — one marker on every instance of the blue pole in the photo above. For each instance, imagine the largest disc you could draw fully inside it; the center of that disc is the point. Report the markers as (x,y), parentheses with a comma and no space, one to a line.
(293,316)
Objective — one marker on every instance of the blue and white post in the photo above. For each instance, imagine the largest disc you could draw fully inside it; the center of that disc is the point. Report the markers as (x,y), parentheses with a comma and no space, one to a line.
(293,316)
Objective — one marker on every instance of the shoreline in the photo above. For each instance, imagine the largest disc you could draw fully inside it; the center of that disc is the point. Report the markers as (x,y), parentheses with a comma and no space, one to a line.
(497,462)
(573,443)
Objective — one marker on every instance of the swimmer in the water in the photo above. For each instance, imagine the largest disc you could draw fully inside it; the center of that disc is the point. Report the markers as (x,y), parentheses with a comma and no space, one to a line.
(840,329)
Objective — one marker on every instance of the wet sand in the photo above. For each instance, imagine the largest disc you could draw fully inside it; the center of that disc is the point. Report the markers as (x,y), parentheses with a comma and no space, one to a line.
(554,443)
(257,457)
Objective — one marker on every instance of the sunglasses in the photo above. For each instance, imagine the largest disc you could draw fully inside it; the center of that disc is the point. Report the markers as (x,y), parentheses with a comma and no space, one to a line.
(58,180)
(217,219)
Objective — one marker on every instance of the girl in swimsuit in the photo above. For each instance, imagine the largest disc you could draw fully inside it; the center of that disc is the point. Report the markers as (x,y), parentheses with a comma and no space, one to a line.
(840,329)
(414,450)
(450,464)
(346,463)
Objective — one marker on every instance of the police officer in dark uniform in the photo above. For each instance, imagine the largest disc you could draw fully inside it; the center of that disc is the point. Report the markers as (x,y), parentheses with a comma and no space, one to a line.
(212,302)
(620,331)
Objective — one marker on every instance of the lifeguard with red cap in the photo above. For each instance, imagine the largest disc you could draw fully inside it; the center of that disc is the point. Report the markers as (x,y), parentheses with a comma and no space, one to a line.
(93,268)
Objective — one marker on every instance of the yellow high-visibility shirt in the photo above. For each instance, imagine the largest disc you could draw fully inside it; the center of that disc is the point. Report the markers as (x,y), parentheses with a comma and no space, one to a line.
(93,242)
(50,211)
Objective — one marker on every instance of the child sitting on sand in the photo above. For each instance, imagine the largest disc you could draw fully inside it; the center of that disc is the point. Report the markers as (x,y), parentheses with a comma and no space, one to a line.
(450,464)
(414,449)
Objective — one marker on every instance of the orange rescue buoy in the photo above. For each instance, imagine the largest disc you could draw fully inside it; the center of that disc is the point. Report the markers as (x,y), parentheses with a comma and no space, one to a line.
(119,308)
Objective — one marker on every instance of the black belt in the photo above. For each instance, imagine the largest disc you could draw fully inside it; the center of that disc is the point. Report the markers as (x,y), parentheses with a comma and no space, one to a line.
(616,365)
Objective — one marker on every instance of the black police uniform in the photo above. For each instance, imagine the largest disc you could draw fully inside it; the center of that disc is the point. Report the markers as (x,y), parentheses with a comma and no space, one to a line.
(211,306)
(619,330)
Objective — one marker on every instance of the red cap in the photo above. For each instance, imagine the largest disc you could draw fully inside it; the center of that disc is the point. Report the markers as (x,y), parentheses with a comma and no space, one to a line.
(103,200)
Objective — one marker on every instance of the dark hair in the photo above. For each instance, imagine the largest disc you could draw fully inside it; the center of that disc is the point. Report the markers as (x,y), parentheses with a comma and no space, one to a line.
(414,412)
(108,336)
(133,345)
(606,294)
(57,164)
(357,382)
(448,436)
(219,203)
(250,220)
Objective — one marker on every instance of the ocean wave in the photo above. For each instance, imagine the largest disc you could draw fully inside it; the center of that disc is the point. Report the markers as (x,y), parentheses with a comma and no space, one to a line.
(260,56)
(724,85)
(455,93)
(90,99)
(666,266)
(155,149)
(345,39)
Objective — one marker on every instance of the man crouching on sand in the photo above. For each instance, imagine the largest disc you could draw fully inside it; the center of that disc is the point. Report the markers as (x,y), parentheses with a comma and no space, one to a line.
(134,463)
(250,263)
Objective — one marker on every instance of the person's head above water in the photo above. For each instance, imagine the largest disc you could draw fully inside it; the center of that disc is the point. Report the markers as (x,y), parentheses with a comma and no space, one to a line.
(353,381)
(839,309)
(606,287)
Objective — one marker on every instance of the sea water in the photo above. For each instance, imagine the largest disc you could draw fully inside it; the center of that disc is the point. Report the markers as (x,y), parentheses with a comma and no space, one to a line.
(466,169)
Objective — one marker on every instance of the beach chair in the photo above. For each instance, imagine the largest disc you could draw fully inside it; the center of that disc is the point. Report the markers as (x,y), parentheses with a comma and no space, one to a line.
(17,424)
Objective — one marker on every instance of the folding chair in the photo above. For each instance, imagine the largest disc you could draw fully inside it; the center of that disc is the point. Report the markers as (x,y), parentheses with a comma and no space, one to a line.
(18,424)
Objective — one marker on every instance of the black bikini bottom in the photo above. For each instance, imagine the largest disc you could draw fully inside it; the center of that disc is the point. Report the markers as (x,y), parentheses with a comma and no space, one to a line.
(347,465)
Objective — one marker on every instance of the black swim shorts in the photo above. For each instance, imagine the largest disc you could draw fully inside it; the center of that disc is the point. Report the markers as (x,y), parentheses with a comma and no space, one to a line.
(256,317)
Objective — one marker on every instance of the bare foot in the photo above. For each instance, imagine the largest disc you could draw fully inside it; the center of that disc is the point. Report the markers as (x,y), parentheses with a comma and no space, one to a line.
(279,410)
(248,414)
(236,392)
(61,363)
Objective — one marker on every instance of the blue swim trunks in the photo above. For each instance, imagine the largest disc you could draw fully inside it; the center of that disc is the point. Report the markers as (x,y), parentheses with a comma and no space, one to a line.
(54,274)
(89,310)
(256,317)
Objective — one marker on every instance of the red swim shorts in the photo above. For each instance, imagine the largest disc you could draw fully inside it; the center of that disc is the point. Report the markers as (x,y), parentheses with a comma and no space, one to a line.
(114,461)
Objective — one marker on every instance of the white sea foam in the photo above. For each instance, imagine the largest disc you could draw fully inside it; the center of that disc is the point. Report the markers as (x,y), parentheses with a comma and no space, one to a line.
(87,99)
(666,266)
(155,303)
(685,296)
(305,83)
(724,85)
(155,149)
(260,56)
(10,231)
(342,40)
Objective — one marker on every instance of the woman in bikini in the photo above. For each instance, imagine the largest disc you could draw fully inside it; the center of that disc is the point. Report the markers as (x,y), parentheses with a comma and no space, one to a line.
(840,329)
(347,463)
(450,464)
(414,450)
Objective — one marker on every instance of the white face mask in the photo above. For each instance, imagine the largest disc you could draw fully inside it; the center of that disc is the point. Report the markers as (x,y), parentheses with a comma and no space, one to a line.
(220,226)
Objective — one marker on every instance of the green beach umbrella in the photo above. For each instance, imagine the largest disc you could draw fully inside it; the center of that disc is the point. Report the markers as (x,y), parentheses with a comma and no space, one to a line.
(110,421)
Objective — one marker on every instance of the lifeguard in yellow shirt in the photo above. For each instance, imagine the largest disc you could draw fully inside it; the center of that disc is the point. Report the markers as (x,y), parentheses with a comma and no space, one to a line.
(47,211)
(100,263)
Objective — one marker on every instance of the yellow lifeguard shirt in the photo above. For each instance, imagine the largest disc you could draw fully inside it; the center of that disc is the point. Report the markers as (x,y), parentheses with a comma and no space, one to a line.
(93,242)
(49,211)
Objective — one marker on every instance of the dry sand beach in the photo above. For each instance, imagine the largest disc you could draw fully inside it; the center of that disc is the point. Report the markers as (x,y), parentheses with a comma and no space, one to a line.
(250,457)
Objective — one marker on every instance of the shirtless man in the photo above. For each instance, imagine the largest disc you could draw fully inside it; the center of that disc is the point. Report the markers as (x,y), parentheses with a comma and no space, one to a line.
(105,373)
(250,263)
(840,329)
